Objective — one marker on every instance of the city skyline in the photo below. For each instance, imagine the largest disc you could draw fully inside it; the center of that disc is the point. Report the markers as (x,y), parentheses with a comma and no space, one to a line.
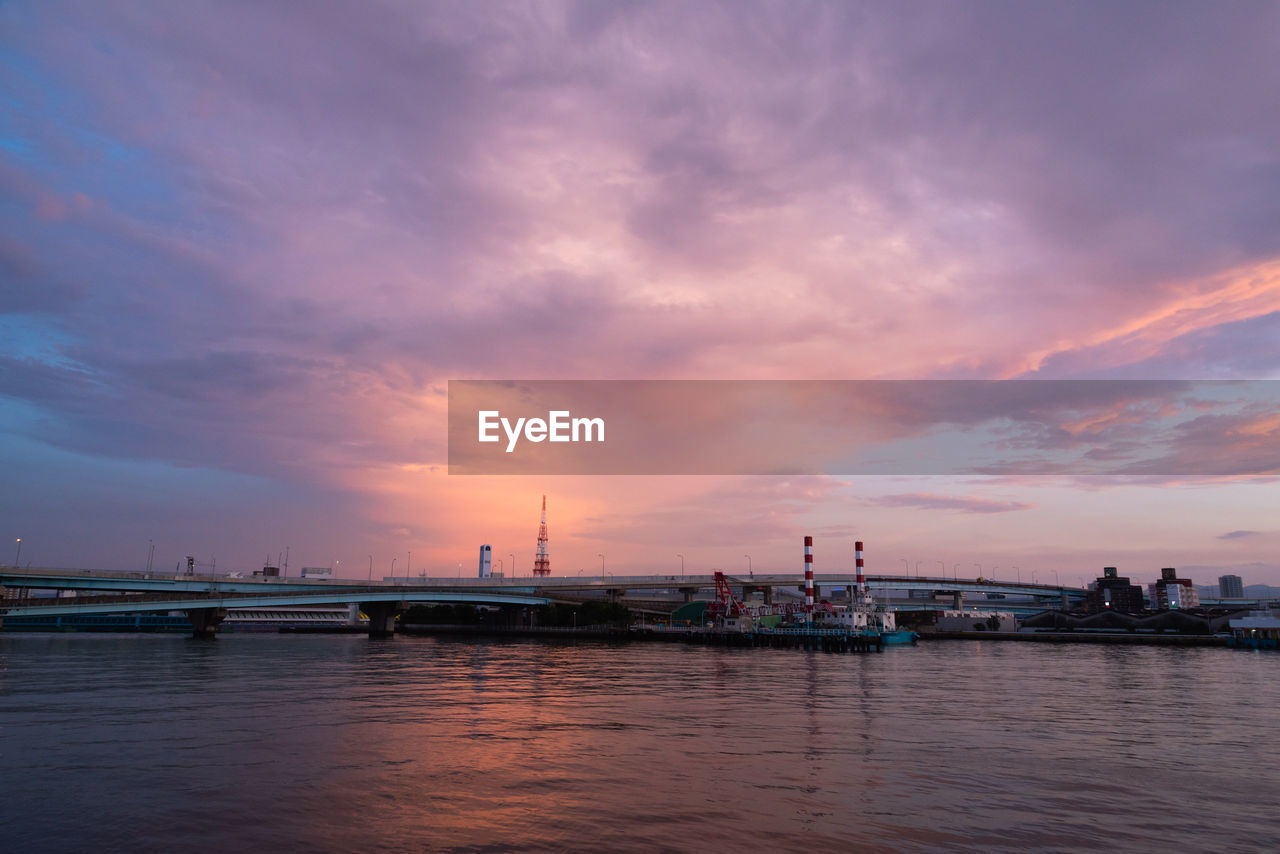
(246,249)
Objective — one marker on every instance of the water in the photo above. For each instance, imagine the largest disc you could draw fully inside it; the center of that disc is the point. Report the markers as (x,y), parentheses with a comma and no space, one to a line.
(335,743)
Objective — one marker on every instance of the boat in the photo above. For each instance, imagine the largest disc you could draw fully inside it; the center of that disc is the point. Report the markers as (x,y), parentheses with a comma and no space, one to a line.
(863,614)
(1259,630)
(898,637)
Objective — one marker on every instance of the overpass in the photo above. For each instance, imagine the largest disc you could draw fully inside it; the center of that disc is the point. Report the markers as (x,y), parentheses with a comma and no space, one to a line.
(206,597)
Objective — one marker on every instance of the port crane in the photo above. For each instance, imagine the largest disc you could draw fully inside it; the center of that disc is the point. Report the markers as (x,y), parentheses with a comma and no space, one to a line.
(727,605)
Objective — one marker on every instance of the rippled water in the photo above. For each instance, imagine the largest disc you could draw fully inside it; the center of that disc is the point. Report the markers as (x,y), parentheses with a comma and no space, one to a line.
(337,743)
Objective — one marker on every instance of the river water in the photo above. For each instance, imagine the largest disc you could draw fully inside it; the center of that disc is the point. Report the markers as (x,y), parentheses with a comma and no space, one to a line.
(261,742)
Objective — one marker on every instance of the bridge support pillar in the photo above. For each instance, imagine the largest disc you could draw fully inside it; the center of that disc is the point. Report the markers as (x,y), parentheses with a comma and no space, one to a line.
(689,593)
(382,618)
(205,621)
(612,595)
(957,601)
(1066,601)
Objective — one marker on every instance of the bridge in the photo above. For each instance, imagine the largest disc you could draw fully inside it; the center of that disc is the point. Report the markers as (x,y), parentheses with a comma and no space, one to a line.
(206,598)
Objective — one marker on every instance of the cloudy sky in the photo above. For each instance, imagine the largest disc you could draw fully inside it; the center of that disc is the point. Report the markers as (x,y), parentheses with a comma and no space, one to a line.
(243,248)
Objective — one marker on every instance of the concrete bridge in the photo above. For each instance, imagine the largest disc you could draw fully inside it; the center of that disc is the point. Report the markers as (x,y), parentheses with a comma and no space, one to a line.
(206,598)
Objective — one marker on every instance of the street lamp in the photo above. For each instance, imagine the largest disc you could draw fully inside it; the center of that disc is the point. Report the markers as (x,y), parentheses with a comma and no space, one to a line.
(681,565)
(371,567)
(393,567)
(601,565)
(993,571)
(979,566)
(751,572)
(17,560)
(1056,578)
(513,563)
(955,572)
(1019,574)
(906,567)
(918,568)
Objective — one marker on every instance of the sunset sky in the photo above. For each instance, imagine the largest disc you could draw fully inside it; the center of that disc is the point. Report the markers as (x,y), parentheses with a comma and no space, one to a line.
(244,247)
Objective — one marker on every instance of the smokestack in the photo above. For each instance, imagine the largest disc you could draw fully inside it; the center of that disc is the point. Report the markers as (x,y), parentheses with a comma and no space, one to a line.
(808,575)
(857,562)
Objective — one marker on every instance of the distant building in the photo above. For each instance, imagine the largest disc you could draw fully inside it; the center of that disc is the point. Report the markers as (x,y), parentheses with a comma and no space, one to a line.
(317,572)
(267,572)
(1171,593)
(1230,587)
(976,621)
(1113,592)
(486,561)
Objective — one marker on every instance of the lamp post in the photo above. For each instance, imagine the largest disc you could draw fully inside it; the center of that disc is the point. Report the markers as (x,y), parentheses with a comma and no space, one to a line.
(18,559)
(408,566)
(1056,578)
(944,568)
(979,566)
(906,567)
(918,568)
(955,572)
(601,565)
(393,567)
(681,565)
(513,563)
(993,571)
(1018,572)
(751,572)
(371,567)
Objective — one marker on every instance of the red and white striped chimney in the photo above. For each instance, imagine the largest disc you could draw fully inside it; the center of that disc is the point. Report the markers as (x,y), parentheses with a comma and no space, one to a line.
(808,575)
(857,562)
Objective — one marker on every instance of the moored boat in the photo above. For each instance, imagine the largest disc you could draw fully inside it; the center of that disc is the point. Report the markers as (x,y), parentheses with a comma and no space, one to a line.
(1259,630)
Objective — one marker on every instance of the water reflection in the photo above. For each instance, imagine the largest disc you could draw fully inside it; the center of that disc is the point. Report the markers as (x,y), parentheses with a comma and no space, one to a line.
(336,743)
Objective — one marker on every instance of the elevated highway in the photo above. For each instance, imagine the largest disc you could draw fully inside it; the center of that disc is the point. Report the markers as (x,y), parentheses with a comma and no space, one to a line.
(131,592)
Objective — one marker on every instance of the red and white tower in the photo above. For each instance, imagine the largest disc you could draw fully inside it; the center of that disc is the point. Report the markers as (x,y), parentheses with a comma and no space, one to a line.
(808,575)
(542,563)
(857,561)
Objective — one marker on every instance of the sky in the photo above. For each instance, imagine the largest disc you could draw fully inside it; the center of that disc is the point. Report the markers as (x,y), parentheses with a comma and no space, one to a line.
(244,248)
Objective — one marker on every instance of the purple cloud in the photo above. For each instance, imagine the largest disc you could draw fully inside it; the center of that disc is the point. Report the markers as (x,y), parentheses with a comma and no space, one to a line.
(958,504)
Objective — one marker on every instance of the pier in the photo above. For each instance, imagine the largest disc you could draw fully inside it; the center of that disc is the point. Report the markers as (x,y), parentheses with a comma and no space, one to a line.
(816,640)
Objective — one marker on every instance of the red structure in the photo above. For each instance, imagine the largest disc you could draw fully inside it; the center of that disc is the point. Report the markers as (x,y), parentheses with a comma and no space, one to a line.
(808,575)
(542,563)
(857,560)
